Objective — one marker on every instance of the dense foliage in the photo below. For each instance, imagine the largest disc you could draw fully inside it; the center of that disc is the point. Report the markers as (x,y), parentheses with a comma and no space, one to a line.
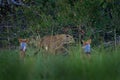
(45,17)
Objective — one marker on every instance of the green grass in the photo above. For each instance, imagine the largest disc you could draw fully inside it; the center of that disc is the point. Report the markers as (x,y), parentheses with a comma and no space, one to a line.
(104,64)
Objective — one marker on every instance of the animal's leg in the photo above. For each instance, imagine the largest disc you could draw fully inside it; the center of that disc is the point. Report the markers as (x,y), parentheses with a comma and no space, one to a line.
(63,50)
(67,51)
(60,46)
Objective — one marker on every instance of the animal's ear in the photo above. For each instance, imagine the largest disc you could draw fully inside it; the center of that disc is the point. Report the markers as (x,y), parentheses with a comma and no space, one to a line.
(67,35)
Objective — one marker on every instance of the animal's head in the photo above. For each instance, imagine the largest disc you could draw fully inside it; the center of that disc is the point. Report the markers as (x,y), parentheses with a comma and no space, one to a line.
(68,39)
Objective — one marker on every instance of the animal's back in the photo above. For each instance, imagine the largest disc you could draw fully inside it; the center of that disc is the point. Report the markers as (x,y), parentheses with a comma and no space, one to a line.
(53,43)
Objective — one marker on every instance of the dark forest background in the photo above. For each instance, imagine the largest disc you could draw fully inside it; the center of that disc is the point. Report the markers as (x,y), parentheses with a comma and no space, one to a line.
(97,18)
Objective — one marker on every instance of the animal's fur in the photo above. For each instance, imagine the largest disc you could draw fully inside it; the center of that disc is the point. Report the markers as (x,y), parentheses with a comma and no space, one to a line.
(53,44)
(57,42)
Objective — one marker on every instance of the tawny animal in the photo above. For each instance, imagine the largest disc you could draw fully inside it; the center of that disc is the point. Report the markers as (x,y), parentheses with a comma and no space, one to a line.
(53,44)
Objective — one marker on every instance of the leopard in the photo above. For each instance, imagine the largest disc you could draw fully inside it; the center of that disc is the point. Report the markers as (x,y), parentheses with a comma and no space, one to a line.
(56,43)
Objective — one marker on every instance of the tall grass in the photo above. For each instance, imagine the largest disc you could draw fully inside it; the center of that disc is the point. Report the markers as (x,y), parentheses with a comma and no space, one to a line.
(103,65)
